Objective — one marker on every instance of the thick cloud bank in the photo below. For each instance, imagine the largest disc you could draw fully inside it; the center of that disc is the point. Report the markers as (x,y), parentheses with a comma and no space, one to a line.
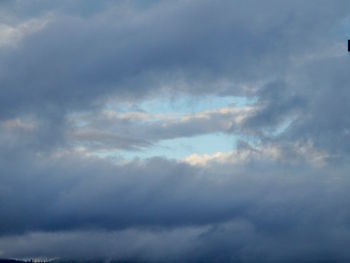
(68,75)
(259,208)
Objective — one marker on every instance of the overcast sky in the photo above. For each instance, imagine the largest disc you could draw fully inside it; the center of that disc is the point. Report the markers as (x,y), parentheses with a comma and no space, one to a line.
(175,130)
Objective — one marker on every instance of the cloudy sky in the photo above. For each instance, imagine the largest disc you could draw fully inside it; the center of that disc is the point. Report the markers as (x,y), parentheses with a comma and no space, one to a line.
(175,130)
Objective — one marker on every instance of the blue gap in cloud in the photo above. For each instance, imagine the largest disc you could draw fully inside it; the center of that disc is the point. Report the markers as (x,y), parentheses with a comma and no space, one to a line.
(181,147)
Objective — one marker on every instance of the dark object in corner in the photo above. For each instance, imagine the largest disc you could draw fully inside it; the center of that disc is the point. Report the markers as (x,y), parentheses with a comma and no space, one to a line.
(348,45)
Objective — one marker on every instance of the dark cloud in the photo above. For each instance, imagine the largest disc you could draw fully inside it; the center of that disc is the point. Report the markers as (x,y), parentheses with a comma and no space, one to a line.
(129,52)
(75,62)
(314,105)
(258,208)
(279,198)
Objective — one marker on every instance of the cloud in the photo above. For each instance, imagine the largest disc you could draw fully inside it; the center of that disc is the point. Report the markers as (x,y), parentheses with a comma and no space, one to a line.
(131,53)
(132,130)
(233,210)
(78,61)
(298,152)
(237,240)
(280,196)
(12,35)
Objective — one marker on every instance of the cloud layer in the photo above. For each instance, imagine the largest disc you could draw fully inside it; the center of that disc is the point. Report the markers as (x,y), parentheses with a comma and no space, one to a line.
(279,195)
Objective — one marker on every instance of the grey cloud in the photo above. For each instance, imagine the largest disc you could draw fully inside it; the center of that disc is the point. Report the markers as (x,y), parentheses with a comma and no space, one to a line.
(130,53)
(272,209)
(258,208)
(138,244)
(326,120)
(78,61)
(315,103)
(234,241)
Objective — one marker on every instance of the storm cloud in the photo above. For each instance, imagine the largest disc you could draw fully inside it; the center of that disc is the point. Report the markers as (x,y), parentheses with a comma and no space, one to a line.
(68,75)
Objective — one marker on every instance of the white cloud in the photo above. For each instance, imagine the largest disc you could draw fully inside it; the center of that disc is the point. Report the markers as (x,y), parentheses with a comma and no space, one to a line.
(11,35)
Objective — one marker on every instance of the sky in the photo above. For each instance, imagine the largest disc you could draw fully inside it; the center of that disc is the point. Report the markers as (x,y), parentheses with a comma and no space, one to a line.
(175,131)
